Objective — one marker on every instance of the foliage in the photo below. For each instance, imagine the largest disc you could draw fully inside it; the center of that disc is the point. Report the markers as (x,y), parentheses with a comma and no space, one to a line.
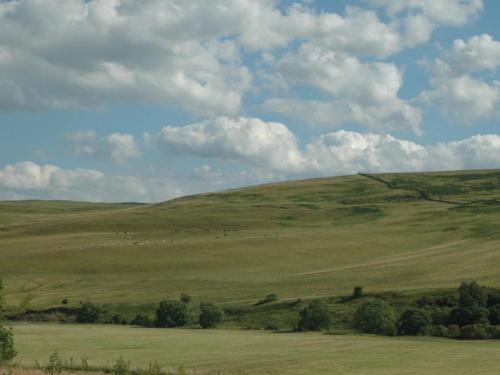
(414,322)
(120,367)
(315,316)
(142,320)
(7,351)
(171,313)
(210,315)
(88,312)
(494,314)
(375,316)
(472,304)
(55,365)
(118,319)
(357,292)
(185,298)
(474,332)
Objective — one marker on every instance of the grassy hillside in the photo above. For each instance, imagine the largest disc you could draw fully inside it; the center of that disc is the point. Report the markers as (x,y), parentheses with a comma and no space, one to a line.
(297,239)
(253,352)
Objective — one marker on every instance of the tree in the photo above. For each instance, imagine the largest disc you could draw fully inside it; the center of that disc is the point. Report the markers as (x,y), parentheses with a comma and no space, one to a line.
(375,316)
(472,304)
(171,313)
(315,316)
(415,322)
(210,315)
(357,292)
(185,298)
(7,351)
(88,312)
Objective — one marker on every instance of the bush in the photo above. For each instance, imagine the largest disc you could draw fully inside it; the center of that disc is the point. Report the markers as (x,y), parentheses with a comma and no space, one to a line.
(171,313)
(474,332)
(55,365)
(453,331)
(7,351)
(118,319)
(471,293)
(142,320)
(120,367)
(65,301)
(357,292)
(440,331)
(375,316)
(185,298)
(88,312)
(210,315)
(315,317)
(414,322)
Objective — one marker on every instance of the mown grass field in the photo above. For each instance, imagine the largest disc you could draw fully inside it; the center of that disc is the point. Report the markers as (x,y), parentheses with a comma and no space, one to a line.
(256,352)
(298,239)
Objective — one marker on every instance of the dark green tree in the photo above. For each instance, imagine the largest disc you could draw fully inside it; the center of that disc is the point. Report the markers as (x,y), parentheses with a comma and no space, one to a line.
(315,317)
(185,298)
(357,292)
(171,313)
(7,351)
(415,322)
(472,304)
(88,312)
(210,315)
(375,316)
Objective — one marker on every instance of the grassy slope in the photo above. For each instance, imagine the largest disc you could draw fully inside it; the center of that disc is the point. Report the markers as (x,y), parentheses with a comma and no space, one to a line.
(253,352)
(297,239)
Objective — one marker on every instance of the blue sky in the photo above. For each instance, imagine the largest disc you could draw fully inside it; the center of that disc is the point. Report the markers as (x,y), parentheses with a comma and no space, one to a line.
(145,101)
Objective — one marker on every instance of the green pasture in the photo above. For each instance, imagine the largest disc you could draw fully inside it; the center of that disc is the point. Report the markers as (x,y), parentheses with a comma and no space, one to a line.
(255,352)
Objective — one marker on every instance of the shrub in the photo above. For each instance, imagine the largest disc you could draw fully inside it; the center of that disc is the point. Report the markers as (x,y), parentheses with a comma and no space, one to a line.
(315,317)
(453,331)
(440,331)
(120,367)
(375,316)
(88,312)
(185,298)
(474,332)
(142,320)
(414,322)
(7,351)
(55,365)
(493,297)
(210,315)
(65,301)
(171,313)
(118,319)
(357,292)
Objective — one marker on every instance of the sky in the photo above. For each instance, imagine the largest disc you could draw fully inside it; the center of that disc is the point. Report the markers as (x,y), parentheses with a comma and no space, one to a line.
(148,100)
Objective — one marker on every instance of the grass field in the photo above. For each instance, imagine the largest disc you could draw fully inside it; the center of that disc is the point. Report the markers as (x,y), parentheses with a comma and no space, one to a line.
(297,239)
(256,352)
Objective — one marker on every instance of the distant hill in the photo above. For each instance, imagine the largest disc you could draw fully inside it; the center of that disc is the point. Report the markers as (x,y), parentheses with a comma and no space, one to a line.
(305,238)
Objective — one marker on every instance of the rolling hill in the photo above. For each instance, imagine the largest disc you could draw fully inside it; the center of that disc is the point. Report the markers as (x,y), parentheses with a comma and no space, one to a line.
(299,239)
